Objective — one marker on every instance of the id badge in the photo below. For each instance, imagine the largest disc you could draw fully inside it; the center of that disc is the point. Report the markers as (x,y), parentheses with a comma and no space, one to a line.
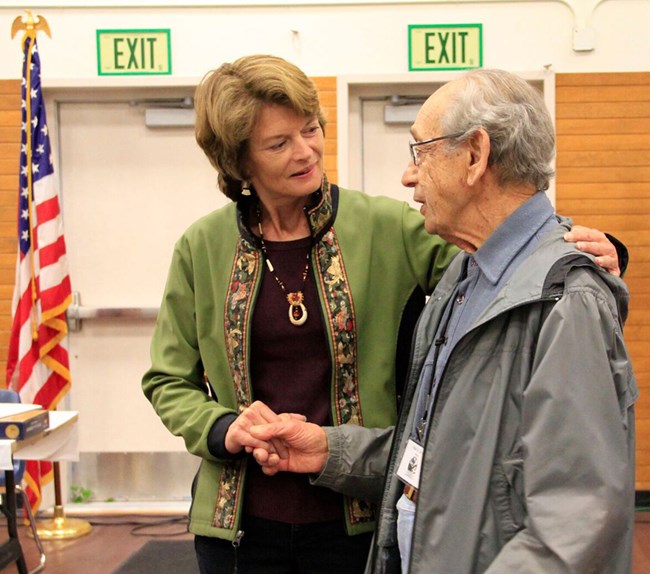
(409,467)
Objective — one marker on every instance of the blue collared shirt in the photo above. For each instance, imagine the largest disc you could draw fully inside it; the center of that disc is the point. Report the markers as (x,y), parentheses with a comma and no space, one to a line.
(484,274)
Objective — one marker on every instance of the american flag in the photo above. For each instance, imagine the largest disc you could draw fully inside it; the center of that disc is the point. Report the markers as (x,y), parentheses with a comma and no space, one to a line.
(37,363)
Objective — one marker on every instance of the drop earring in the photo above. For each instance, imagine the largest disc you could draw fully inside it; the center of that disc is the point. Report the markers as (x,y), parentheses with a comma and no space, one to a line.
(246,188)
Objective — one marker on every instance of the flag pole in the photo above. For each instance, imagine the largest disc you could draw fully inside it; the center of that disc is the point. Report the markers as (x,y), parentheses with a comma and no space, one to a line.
(59,527)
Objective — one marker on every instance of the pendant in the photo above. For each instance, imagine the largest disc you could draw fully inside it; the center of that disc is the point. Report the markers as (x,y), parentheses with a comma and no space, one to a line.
(297,311)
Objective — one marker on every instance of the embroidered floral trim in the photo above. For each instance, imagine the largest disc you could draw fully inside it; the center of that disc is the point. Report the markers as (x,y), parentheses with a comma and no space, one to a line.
(334,284)
(361,510)
(230,488)
(237,309)
(320,215)
(342,329)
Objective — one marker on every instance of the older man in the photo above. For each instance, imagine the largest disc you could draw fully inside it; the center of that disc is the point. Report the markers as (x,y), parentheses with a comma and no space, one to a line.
(514,451)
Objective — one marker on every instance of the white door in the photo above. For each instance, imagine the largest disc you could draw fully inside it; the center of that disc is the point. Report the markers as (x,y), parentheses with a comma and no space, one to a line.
(128,192)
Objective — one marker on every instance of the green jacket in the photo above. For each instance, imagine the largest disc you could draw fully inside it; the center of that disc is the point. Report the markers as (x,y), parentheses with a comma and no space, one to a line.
(370,255)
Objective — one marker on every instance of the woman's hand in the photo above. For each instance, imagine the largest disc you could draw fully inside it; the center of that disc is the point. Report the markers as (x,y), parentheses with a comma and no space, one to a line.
(595,243)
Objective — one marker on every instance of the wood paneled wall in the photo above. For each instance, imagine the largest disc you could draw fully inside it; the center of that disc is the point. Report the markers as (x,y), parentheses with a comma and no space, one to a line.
(603,181)
(9,156)
(327,93)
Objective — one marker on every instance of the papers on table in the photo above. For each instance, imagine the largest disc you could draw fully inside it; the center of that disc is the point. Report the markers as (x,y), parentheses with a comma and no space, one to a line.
(8,409)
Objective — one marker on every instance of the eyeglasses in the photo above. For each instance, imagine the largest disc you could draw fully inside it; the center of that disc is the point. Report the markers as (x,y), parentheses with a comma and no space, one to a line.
(413,145)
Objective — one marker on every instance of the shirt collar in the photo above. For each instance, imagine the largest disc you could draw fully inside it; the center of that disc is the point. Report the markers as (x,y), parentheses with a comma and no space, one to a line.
(501,248)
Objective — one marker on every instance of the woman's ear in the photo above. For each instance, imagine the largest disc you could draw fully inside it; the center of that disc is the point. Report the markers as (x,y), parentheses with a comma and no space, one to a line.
(479,153)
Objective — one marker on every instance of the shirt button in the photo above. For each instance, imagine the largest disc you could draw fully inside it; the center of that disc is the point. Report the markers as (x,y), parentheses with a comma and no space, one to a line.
(460,299)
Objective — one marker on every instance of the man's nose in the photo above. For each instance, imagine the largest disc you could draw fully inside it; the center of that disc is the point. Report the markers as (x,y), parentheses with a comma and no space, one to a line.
(409,177)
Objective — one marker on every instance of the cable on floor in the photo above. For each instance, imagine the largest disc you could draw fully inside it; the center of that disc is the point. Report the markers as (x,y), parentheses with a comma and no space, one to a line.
(141,527)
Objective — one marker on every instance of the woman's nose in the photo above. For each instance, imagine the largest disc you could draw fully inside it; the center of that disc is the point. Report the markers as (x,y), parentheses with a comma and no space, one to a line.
(302,147)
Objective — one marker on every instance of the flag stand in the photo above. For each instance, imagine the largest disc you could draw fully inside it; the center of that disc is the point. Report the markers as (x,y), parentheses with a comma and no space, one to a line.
(60,526)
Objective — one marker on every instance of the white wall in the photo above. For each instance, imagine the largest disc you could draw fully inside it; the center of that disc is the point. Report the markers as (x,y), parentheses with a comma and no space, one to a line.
(369,37)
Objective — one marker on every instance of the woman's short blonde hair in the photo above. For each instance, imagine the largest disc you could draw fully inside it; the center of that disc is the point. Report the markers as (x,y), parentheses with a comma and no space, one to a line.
(227,104)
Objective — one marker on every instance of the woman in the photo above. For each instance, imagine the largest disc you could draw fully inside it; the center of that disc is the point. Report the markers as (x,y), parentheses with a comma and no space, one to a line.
(288,300)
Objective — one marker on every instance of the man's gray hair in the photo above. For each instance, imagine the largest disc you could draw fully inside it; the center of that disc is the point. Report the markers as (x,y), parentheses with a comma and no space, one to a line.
(514,114)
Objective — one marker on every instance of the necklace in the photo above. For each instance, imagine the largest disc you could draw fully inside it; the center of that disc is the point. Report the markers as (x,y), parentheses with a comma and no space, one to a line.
(297,309)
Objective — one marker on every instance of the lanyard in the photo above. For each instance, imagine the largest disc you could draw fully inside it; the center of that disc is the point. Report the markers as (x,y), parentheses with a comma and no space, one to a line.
(438,343)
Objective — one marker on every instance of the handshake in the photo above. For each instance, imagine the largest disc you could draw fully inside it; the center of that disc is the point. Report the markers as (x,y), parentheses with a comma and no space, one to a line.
(284,442)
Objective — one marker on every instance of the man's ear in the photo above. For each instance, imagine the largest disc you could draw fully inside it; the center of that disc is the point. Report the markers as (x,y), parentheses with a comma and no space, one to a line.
(479,153)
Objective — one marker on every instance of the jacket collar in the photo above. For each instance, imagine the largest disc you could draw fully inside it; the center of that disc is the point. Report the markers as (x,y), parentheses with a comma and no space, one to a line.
(320,212)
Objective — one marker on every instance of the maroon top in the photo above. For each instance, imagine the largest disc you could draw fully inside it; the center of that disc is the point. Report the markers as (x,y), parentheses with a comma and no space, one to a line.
(291,372)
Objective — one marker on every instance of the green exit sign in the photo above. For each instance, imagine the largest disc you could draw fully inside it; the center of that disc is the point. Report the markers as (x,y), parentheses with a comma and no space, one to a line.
(133,52)
(445,47)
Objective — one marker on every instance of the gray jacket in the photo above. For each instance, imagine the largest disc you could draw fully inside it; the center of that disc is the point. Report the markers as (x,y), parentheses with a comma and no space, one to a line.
(528,466)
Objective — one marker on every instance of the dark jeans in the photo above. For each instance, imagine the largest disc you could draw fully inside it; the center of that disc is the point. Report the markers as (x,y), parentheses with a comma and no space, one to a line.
(270,547)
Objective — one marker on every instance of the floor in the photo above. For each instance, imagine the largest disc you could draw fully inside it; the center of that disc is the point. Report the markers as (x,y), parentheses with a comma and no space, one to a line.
(112,540)
(115,538)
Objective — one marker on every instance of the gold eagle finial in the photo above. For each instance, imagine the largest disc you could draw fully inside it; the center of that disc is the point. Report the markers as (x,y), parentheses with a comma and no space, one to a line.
(31,26)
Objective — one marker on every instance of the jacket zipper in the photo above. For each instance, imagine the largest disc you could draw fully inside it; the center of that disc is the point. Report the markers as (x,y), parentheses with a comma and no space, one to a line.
(235,543)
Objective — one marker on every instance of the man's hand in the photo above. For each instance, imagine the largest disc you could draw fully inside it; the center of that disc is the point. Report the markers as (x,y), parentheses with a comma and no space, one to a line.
(305,446)
(238,436)
(595,243)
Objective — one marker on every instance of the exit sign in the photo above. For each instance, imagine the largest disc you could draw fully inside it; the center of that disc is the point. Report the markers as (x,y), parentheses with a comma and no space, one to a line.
(445,47)
(133,52)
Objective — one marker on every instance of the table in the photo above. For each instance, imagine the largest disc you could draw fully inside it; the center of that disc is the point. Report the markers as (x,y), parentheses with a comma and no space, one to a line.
(59,442)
